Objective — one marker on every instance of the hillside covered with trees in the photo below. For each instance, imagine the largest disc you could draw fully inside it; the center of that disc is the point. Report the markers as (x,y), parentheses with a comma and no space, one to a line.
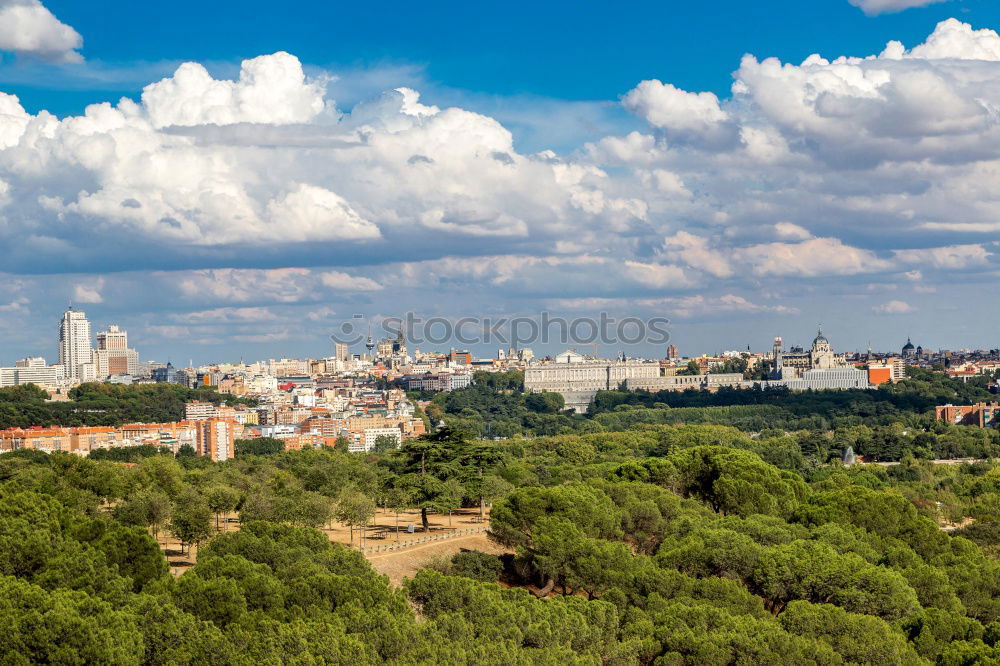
(667,544)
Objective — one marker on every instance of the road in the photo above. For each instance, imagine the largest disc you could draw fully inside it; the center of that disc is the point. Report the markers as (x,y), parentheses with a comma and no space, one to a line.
(943,461)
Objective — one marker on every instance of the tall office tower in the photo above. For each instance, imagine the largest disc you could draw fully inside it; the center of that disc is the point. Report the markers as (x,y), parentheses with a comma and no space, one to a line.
(341,351)
(112,356)
(75,351)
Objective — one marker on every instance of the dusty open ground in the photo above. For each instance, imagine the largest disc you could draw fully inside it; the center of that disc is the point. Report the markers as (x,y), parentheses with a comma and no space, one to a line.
(405,563)
(382,530)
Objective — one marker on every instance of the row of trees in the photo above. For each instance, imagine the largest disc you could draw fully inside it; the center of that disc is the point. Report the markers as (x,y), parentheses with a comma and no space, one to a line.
(94,404)
(911,401)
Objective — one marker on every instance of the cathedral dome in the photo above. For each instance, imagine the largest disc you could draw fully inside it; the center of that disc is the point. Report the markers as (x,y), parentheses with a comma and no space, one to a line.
(908,346)
(820,339)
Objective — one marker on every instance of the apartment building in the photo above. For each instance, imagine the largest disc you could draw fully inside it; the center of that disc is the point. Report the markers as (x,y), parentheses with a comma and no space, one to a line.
(78,440)
(169,435)
(363,440)
(216,439)
(296,441)
(982,414)
(200,411)
(33,370)
(444,381)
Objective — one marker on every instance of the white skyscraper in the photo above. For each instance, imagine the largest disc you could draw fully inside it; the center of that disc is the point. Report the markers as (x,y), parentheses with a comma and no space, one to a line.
(75,350)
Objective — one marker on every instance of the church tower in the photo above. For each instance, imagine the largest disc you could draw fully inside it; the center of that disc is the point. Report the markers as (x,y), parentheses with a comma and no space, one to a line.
(777,360)
(821,356)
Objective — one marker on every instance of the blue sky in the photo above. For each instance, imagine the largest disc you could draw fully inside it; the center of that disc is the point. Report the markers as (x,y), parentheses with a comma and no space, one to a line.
(534,170)
(570,51)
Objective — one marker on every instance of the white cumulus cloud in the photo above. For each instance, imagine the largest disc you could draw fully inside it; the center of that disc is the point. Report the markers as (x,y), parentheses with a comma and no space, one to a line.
(266,160)
(875,7)
(893,308)
(341,280)
(663,105)
(227,315)
(271,89)
(89,292)
(314,213)
(28,27)
(951,257)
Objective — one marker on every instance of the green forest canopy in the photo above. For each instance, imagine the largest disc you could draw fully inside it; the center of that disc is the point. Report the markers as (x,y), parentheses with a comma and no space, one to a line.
(672,544)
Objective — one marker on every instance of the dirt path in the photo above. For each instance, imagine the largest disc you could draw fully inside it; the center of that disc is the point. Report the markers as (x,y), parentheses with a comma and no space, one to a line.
(423,547)
(405,563)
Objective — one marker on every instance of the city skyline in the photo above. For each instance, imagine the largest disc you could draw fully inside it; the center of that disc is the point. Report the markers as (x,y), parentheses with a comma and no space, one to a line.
(239,197)
(114,339)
